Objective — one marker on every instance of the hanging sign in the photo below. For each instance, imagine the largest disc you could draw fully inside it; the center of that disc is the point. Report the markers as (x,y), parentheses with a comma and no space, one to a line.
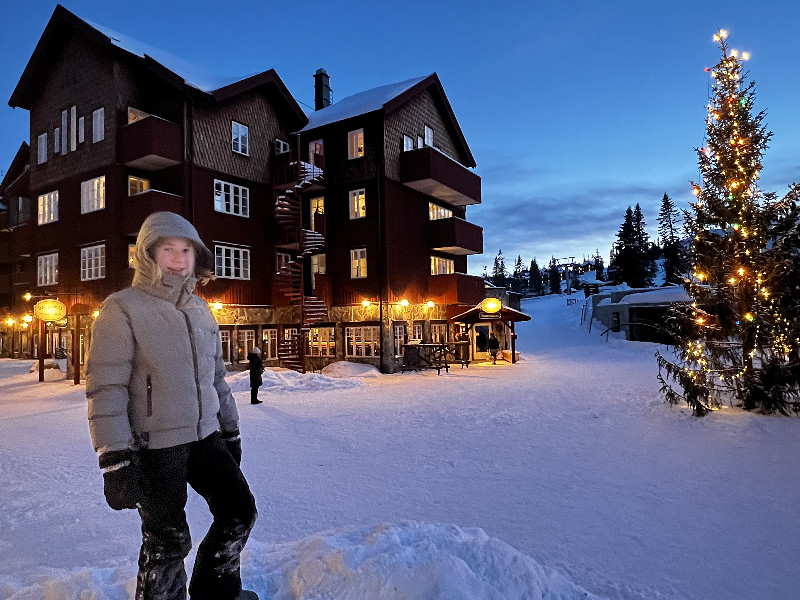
(50,310)
(485,315)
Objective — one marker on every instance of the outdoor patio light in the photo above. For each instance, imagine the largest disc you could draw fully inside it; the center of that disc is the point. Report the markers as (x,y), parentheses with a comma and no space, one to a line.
(216,305)
(430,304)
(96,314)
(403,302)
(10,321)
(27,318)
(491,305)
(365,303)
(27,296)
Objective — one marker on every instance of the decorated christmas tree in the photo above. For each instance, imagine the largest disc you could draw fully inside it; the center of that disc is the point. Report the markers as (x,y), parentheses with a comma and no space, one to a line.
(731,343)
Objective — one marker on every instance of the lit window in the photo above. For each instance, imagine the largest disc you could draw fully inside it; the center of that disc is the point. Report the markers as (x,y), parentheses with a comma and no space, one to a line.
(225,340)
(362,341)
(247,341)
(428,136)
(317,208)
(442,266)
(436,212)
(48,208)
(358,204)
(316,152)
(231,262)
(270,343)
(321,342)
(318,263)
(134,114)
(417,331)
(438,333)
(93,262)
(231,199)
(240,138)
(355,144)
(47,269)
(399,339)
(408,143)
(98,125)
(131,255)
(41,148)
(93,194)
(137,185)
(358,263)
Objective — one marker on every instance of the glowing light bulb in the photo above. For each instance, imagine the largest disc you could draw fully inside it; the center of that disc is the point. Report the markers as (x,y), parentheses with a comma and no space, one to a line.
(365,303)
(403,302)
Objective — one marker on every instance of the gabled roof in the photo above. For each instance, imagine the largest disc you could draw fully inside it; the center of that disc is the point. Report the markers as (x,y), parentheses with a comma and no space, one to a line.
(17,168)
(387,98)
(476,314)
(182,74)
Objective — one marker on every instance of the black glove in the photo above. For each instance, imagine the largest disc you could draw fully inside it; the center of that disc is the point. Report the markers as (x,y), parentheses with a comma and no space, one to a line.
(234,444)
(124,484)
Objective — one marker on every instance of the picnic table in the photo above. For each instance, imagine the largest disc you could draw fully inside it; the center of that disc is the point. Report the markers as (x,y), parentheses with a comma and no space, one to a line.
(419,355)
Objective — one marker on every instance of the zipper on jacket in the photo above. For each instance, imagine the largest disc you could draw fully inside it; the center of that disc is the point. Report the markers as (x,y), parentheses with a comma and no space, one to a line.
(196,374)
(149,397)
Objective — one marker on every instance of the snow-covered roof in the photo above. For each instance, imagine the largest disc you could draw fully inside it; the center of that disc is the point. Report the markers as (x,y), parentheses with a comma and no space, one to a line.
(193,74)
(663,295)
(359,104)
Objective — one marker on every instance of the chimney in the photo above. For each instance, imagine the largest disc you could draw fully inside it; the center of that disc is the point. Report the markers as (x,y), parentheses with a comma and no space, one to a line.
(322,89)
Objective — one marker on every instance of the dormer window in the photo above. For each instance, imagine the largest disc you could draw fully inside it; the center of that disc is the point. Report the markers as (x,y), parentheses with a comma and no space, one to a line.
(355,144)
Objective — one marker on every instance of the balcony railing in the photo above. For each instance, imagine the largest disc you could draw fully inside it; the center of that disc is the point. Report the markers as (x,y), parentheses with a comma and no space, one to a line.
(455,236)
(151,143)
(456,288)
(435,174)
(139,206)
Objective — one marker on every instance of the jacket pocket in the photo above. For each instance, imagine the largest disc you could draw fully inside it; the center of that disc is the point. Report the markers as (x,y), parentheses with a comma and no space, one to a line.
(149,397)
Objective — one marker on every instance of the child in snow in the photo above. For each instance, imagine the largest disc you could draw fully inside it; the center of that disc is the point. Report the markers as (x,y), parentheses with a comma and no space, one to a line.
(162,416)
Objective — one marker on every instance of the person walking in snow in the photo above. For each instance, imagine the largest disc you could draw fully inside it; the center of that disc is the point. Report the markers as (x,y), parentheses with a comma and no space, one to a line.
(256,369)
(161,416)
(494,347)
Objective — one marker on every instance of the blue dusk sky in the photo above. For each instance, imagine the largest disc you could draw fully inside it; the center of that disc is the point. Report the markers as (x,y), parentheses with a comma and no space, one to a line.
(573,110)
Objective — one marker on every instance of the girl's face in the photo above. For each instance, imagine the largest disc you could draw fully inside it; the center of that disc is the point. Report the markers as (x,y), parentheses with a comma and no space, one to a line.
(175,255)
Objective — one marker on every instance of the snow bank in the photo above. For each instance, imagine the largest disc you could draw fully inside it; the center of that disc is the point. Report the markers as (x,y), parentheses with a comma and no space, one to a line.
(383,562)
(343,368)
(286,380)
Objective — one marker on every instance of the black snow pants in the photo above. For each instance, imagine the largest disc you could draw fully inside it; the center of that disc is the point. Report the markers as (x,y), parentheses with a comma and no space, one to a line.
(213,473)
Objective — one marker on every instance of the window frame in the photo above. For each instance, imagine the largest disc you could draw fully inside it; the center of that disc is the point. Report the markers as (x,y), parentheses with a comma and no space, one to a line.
(408,143)
(324,345)
(240,138)
(437,212)
(93,262)
(427,132)
(442,266)
(358,263)
(98,125)
(47,208)
(140,183)
(47,269)
(354,343)
(225,197)
(41,148)
(357,202)
(238,258)
(354,148)
(225,342)
(93,194)
(269,339)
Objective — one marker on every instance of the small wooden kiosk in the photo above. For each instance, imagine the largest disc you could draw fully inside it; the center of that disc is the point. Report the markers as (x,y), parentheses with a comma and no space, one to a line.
(488,315)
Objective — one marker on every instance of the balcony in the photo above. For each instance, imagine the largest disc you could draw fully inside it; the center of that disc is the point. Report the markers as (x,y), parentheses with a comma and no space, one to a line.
(138,207)
(456,288)
(151,143)
(455,236)
(429,171)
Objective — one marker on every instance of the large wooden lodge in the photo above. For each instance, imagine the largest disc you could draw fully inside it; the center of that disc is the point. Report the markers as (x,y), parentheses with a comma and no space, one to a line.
(338,235)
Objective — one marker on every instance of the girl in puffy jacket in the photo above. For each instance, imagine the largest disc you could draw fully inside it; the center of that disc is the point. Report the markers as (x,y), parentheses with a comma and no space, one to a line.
(163,418)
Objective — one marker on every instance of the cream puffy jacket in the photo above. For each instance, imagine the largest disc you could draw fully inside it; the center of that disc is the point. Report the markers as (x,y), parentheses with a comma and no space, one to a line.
(155,374)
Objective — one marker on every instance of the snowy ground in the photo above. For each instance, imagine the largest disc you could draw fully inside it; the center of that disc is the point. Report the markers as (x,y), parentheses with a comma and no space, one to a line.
(562,477)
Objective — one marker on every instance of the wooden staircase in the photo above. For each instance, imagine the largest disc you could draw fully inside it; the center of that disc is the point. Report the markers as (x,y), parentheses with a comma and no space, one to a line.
(289,280)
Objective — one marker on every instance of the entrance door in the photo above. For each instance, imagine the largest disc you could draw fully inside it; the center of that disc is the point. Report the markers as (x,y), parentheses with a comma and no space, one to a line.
(480,341)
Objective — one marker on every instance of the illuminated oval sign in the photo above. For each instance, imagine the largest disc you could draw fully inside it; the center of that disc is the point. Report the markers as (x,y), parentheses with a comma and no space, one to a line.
(491,305)
(50,310)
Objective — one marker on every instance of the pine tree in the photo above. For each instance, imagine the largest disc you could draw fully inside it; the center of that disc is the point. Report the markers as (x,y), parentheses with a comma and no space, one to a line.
(599,268)
(735,341)
(517,279)
(644,248)
(499,273)
(554,277)
(675,262)
(630,261)
(535,279)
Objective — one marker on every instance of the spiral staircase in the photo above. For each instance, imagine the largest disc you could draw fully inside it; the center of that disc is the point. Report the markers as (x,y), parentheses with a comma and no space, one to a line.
(289,280)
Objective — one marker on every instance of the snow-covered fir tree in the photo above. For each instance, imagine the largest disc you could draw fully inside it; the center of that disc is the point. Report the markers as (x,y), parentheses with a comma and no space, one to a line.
(499,272)
(738,341)
(631,259)
(554,277)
